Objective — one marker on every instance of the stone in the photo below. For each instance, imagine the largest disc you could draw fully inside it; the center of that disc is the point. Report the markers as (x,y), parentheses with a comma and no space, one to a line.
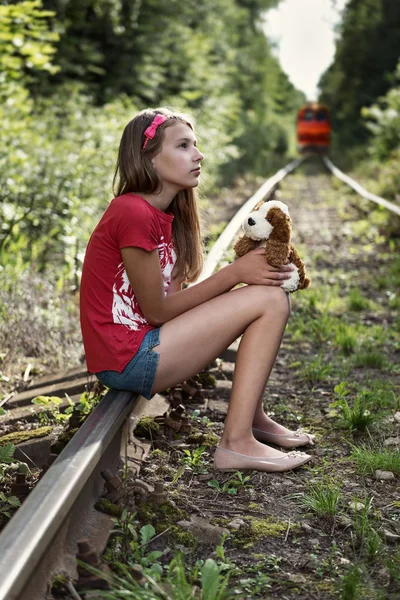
(390,537)
(393,441)
(313,542)
(383,475)
(236,524)
(203,531)
(306,527)
(397,417)
(343,522)
(355,506)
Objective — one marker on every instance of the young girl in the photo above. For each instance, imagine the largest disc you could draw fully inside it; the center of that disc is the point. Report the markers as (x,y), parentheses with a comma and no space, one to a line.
(141,332)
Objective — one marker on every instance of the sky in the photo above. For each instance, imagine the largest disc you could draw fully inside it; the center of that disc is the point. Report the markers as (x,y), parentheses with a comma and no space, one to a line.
(305,41)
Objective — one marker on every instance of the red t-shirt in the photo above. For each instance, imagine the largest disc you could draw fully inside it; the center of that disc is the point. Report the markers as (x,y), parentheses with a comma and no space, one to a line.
(112,323)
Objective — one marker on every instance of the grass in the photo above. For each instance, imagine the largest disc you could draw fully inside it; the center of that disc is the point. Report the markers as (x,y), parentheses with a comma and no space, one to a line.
(350,584)
(369,357)
(316,371)
(359,416)
(369,459)
(357,302)
(346,338)
(322,497)
(366,539)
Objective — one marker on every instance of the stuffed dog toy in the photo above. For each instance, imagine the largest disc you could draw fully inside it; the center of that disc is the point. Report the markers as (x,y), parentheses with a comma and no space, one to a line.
(269,225)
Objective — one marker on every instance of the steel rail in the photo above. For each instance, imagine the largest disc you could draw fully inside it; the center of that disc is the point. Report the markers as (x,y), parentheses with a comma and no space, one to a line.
(29,533)
(358,188)
(225,239)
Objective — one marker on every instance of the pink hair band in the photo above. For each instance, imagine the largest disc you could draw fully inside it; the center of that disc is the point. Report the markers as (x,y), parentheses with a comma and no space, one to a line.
(152,130)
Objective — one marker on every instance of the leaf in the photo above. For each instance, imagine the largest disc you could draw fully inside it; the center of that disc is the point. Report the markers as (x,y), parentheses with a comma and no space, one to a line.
(7,453)
(146,533)
(214,484)
(23,468)
(154,555)
(210,579)
(47,400)
(13,501)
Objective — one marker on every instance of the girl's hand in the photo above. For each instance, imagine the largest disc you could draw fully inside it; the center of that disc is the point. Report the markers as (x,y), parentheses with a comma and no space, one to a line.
(253,269)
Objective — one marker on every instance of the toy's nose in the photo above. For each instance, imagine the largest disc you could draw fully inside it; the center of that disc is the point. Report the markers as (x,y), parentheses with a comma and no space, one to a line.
(251,221)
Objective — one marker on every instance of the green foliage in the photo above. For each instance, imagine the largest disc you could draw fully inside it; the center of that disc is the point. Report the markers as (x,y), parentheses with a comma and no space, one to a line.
(51,409)
(9,463)
(316,370)
(360,415)
(233,484)
(26,43)
(195,460)
(129,544)
(346,338)
(370,458)
(7,503)
(367,541)
(350,584)
(214,584)
(383,120)
(322,497)
(368,356)
(356,301)
(367,52)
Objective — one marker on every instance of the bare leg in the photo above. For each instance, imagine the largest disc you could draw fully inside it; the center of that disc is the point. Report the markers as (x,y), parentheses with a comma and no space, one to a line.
(192,340)
(264,422)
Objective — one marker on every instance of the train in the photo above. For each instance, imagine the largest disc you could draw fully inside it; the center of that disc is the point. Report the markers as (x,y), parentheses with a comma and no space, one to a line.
(313,128)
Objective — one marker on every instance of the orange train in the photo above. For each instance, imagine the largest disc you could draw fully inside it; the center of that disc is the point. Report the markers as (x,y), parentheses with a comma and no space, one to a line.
(313,127)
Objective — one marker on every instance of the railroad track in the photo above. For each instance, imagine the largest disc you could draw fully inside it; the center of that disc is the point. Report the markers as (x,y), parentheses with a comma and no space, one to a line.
(42,537)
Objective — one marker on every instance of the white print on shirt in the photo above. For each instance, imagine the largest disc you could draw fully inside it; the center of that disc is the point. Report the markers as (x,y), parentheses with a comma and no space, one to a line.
(125,309)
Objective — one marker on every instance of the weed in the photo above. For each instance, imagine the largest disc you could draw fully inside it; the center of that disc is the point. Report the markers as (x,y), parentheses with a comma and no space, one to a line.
(7,503)
(369,459)
(356,301)
(322,497)
(322,328)
(9,463)
(194,460)
(383,394)
(369,357)
(346,339)
(255,585)
(232,485)
(359,416)
(316,371)
(350,584)
(393,566)
(51,409)
(130,545)
(214,585)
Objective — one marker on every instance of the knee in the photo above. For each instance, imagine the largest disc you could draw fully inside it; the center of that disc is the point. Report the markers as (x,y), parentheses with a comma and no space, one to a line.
(275,301)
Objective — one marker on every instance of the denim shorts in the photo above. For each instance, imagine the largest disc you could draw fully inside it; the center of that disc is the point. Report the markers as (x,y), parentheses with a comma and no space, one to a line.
(140,373)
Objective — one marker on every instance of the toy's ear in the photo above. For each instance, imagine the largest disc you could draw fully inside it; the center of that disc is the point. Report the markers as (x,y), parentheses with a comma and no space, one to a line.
(244,245)
(257,206)
(277,253)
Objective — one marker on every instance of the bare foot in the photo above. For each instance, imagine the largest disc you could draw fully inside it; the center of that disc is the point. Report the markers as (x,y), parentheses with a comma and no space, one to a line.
(265,423)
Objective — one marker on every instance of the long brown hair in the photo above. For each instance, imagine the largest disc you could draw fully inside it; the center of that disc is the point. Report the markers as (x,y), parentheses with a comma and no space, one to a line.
(135,173)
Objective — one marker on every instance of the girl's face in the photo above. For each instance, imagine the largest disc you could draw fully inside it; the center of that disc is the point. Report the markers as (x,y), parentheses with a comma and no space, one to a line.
(178,163)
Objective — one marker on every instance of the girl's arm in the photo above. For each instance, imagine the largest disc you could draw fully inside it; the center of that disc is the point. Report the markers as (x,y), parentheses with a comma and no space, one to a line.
(174,286)
(144,273)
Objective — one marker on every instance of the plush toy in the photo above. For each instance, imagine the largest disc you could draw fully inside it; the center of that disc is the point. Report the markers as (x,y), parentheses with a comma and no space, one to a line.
(269,225)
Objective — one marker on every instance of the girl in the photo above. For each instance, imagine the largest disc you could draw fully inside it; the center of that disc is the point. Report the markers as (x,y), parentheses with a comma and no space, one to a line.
(141,332)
